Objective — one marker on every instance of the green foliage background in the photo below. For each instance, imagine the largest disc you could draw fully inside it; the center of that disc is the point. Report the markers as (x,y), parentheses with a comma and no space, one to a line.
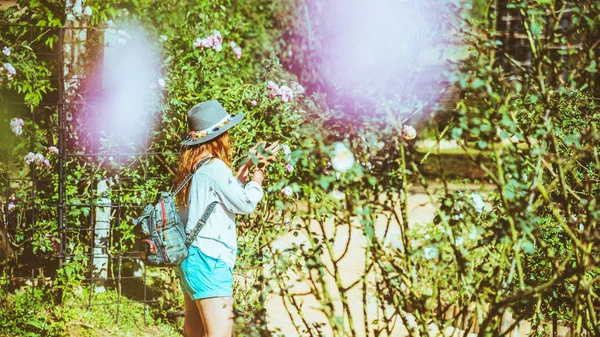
(534,125)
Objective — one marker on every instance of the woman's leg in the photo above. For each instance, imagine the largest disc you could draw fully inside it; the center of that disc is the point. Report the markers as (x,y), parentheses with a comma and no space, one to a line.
(192,325)
(217,316)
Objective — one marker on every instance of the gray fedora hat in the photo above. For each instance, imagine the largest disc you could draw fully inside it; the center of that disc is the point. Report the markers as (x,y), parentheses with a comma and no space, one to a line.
(208,120)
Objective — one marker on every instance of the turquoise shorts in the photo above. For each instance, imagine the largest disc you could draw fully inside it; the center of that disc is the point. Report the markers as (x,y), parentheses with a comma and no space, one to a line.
(202,276)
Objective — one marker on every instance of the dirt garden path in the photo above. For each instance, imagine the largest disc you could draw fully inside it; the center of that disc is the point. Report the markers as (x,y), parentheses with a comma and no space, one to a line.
(421,212)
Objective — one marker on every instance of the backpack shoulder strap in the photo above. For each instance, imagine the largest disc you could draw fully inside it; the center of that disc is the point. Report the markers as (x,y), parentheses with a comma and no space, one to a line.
(200,224)
(189,176)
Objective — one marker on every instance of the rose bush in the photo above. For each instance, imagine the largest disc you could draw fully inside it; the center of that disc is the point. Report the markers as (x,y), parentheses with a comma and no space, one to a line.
(524,244)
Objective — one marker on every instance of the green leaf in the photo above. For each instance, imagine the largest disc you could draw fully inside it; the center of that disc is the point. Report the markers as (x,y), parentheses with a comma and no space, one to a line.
(593,67)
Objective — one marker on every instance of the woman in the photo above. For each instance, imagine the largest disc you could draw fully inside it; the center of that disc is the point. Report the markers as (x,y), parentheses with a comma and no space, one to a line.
(206,275)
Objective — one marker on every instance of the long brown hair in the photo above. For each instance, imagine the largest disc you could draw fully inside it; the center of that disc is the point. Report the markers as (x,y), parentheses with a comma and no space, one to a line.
(219,147)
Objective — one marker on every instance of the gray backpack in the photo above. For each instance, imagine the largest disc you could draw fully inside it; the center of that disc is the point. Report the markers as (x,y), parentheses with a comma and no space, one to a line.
(160,233)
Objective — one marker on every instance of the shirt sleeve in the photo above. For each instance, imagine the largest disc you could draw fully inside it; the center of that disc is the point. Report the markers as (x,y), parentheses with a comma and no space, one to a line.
(236,197)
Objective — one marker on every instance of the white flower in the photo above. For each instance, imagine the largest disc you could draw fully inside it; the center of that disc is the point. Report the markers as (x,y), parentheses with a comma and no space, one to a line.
(408,132)
(10,69)
(297,88)
(478,202)
(11,206)
(161,82)
(286,149)
(16,126)
(87,11)
(287,191)
(53,149)
(342,159)
(286,93)
(238,52)
(29,158)
(272,85)
(430,253)
(6,51)
(289,168)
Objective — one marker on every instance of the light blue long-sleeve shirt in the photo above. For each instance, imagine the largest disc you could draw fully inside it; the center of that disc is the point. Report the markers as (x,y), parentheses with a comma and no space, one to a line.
(214,181)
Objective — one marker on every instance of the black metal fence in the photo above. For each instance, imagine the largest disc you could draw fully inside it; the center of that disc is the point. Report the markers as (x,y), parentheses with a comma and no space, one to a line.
(69,222)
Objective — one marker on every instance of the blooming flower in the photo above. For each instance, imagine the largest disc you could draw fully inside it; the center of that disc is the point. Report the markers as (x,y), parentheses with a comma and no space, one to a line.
(287,191)
(253,102)
(29,158)
(342,159)
(430,253)
(6,51)
(213,41)
(38,158)
(286,149)
(478,202)
(237,50)
(408,132)
(53,149)
(10,69)
(286,93)
(297,88)
(16,126)
(289,168)
(11,206)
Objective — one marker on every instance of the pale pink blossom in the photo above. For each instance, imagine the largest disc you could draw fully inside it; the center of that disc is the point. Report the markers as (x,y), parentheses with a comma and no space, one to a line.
(408,132)
(214,41)
(10,69)
(253,102)
(342,159)
(16,126)
(289,168)
(29,158)
(237,50)
(297,88)
(287,191)
(272,85)
(286,93)
(53,149)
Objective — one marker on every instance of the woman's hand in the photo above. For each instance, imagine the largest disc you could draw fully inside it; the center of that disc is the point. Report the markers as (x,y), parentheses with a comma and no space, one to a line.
(264,160)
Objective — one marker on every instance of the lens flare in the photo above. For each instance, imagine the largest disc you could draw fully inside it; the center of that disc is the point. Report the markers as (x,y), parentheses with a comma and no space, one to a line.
(380,50)
(131,85)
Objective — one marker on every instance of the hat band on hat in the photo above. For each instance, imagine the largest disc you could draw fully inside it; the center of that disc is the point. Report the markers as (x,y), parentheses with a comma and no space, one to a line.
(193,135)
